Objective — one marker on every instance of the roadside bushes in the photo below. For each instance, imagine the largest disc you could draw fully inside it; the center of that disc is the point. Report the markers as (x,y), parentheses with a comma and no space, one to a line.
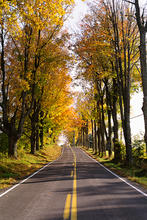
(138,148)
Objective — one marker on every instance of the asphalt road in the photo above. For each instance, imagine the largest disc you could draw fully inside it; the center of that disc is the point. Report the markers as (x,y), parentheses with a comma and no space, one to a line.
(74,187)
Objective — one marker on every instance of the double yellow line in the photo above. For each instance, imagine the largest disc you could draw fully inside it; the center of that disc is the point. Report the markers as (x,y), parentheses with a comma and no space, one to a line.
(74,195)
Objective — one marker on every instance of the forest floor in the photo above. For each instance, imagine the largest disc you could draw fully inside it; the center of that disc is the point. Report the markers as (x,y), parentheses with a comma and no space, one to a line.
(137,173)
(13,170)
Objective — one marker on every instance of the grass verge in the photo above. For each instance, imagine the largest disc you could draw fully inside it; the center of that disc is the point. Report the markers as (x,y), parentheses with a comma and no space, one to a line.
(12,170)
(136,174)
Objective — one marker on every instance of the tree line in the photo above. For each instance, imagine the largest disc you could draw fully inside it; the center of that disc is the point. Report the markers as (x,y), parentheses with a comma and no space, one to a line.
(34,71)
(111,54)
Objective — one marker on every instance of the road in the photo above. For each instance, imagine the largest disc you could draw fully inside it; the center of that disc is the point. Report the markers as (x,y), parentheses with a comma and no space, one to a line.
(75,187)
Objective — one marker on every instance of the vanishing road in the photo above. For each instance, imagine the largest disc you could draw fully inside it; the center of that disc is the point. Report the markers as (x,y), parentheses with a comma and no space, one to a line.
(75,187)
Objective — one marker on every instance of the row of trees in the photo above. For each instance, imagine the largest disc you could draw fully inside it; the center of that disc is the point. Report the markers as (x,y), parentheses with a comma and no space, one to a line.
(34,66)
(108,51)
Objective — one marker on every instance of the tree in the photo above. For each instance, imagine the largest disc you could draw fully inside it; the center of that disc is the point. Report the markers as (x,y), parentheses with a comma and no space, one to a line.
(28,27)
(142,26)
(108,53)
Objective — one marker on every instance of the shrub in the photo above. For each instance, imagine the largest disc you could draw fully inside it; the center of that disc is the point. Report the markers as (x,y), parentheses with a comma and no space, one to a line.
(138,147)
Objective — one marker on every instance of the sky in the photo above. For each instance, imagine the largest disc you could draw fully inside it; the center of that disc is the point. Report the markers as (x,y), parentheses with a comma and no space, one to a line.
(137,120)
(62,139)
(79,11)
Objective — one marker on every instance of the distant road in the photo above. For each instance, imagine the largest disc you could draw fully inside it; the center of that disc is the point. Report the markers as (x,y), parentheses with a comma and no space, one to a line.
(74,187)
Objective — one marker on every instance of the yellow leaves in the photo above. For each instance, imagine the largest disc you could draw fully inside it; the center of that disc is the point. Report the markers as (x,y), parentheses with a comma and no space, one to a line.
(38,13)
(43,13)
(24,85)
(19,85)
(36,58)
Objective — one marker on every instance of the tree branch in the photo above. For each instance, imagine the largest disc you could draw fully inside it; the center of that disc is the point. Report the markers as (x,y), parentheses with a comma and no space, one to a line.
(129,2)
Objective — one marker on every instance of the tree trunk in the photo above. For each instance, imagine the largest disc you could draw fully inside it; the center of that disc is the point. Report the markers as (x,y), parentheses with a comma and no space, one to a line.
(33,136)
(41,133)
(73,143)
(83,135)
(79,141)
(37,130)
(41,137)
(109,134)
(127,131)
(122,66)
(142,25)
(99,139)
(144,79)
(95,138)
(37,138)
(103,129)
(102,139)
(109,120)
(127,114)
(12,143)
(92,127)
(86,131)
(117,148)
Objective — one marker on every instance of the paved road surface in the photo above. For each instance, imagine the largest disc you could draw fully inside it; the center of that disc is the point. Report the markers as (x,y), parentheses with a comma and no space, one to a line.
(74,187)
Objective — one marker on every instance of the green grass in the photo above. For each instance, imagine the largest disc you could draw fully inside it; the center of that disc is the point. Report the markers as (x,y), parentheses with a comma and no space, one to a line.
(12,170)
(137,174)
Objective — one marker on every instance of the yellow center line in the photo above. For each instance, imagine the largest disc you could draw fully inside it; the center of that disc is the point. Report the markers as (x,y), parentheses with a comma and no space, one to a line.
(74,198)
(67,207)
(74,195)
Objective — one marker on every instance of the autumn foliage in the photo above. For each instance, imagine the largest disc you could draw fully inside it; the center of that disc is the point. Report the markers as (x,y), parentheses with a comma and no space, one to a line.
(35,96)
(107,50)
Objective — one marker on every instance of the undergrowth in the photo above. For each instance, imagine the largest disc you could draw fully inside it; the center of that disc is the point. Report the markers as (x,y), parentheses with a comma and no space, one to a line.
(12,170)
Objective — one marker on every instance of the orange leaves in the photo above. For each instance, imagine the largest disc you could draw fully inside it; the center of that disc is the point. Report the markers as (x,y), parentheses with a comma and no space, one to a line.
(73,120)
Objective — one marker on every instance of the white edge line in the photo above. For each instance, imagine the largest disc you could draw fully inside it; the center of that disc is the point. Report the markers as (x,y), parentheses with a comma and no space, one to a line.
(33,174)
(144,194)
